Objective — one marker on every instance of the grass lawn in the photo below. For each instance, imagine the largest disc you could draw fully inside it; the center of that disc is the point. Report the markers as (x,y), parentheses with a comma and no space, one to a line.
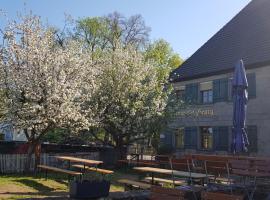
(20,186)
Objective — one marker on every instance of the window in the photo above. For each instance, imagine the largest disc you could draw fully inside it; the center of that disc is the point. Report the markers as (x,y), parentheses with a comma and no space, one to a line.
(180,94)
(207,96)
(206,138)
(179,138)
(206,92)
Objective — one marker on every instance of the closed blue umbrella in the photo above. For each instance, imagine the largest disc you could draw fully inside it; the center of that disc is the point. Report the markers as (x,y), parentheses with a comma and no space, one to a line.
(240,98)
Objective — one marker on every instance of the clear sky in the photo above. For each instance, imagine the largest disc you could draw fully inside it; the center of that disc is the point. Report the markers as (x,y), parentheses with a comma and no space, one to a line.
(185,24)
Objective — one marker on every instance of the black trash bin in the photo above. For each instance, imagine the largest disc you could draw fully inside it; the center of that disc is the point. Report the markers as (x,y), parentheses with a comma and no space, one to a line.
(89,189)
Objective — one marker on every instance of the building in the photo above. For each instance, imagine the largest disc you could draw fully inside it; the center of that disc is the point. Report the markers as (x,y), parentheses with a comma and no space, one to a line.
(203,81)
(7,133)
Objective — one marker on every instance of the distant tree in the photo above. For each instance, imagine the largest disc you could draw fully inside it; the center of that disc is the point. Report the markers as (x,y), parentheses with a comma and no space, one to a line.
(162,55)
(107,32)
(93,32)
(43,82)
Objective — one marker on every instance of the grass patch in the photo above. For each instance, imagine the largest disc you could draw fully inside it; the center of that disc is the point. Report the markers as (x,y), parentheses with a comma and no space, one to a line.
(19,186)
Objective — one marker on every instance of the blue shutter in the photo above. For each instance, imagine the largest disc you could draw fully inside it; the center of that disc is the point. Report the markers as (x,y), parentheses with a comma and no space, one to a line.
(221,138)
(251,78)
(168,137)
(190,138)
(167,140)
(220,90)
(230,89)
(191,93)
(216,90)
(252,138)
(224,89)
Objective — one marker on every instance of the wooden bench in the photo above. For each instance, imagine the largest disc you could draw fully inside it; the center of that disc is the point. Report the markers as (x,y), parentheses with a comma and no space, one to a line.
(139,163)
(161,193)
(55,169)
(130,184)
(169,181)
(220,196)
(102,171)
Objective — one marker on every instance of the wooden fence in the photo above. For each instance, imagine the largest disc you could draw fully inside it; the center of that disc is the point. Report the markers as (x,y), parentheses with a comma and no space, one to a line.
(15,163)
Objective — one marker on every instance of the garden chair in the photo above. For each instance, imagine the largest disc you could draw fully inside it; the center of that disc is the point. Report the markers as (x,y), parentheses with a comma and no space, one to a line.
(242,174)
(220,196)
(185,164)
(161,193)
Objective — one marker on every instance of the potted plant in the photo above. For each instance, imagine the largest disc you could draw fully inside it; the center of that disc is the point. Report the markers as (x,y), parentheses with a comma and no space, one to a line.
(93,185)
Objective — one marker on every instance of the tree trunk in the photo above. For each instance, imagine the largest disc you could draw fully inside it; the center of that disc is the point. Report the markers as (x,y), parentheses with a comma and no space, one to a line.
(121,148)
(37,155)
(30,151)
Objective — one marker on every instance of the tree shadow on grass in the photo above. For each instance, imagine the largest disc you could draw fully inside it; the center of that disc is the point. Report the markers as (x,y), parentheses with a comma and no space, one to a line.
(38,195)
(61,182)
(35,185)
(56,177)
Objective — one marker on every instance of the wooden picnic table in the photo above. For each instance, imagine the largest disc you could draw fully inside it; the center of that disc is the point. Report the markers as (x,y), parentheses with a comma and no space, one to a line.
(191,175)
(85,162)
(140,162)
(174,172)
(81,160)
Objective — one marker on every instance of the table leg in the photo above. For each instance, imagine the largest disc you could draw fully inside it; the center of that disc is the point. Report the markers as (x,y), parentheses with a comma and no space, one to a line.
(253,189)
(46,174)
(202,181)
(152,174)
(69,164)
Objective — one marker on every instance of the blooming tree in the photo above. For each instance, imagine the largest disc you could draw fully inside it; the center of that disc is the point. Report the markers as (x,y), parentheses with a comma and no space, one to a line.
(130,98)
(44,83)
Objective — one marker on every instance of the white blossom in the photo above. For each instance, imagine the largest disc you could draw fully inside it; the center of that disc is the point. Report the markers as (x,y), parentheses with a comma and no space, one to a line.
(44,82)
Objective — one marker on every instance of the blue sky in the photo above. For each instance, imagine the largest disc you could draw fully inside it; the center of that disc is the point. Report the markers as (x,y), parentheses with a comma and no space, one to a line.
(185,24)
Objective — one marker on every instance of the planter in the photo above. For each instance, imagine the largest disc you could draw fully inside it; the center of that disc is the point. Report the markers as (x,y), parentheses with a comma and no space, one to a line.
(89,189)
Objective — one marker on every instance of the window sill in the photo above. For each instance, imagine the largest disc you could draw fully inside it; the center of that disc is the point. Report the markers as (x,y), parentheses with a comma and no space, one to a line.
(179,148)
(207,103)
(206,150)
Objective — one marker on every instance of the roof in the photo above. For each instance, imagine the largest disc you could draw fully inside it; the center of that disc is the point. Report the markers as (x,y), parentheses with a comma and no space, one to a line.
(246,36)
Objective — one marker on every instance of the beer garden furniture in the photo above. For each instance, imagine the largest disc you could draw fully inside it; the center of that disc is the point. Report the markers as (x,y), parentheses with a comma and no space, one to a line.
(233,174)
(184,174)
(83,188)
(160,193)
(85,162)
(130,184)
(47,168)
(93,169)
(220,196)
(139,162)
(237,172)
(250,171)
